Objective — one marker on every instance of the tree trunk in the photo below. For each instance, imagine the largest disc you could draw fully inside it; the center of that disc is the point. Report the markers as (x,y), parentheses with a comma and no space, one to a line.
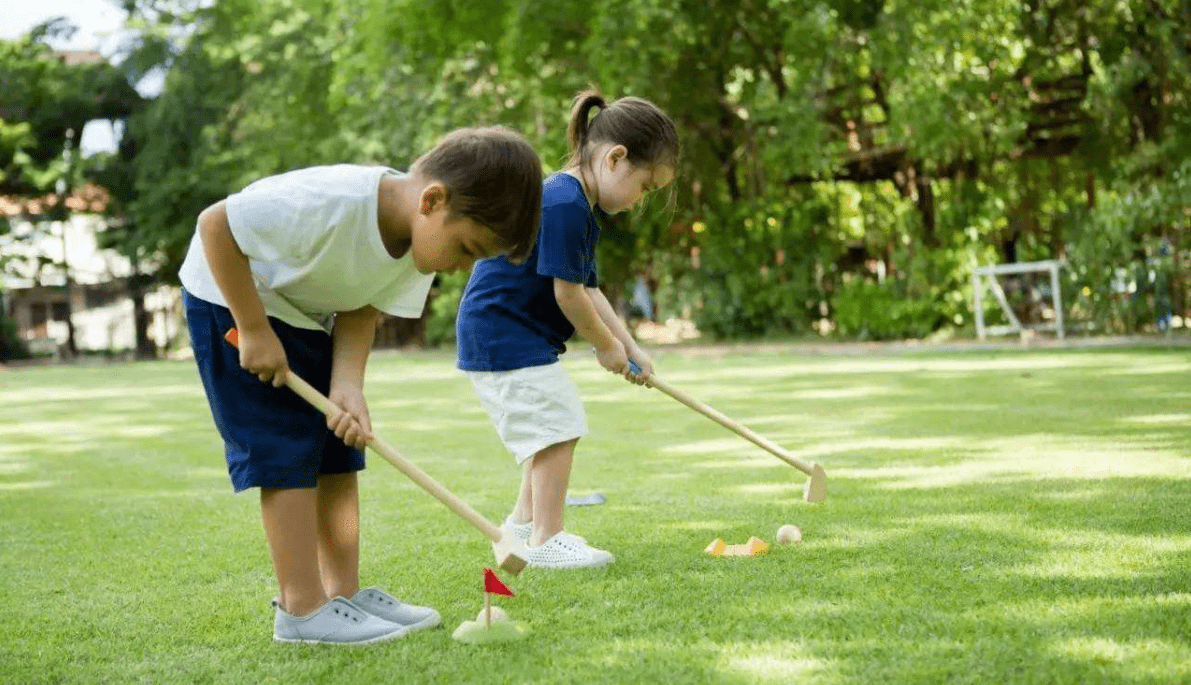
(726,147)
(926,207)
(145,347)
(1178,276)
(72,347)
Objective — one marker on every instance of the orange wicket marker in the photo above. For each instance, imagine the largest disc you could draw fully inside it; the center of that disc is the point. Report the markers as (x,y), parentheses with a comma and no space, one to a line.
(754,547)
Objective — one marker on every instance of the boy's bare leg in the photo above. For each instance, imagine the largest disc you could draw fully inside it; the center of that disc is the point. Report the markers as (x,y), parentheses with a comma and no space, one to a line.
(523,511)
(550,477)
(339,533)
(290,519)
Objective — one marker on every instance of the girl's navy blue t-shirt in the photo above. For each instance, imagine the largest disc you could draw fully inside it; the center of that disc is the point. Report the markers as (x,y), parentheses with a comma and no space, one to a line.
(508,317)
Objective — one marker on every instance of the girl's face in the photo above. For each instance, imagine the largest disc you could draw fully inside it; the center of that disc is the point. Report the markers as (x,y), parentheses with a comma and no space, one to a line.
(619,185)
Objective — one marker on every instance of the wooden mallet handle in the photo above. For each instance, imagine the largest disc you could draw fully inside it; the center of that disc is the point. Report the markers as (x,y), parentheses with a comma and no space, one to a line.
(417,475)
(815,489)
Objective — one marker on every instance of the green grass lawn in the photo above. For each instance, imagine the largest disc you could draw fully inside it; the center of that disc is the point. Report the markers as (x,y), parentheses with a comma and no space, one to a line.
(1009,517)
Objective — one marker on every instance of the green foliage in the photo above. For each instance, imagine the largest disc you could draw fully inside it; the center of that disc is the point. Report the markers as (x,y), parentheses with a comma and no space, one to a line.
(865,310)
(754,272)
(952,133)
(11,345)
(44,104)
(444,307)
(1121,258)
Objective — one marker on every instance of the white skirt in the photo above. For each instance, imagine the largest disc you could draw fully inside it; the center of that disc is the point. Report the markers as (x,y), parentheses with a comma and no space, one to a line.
(532,408)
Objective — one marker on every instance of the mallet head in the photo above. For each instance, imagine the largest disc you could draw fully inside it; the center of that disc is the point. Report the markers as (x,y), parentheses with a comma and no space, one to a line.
(510,552)
(816,485)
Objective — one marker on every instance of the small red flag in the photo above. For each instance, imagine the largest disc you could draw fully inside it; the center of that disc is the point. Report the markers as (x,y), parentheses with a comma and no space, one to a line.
(492,584)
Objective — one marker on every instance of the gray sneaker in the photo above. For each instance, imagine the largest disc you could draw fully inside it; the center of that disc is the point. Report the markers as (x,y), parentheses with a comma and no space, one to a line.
(338,622)
(383,605)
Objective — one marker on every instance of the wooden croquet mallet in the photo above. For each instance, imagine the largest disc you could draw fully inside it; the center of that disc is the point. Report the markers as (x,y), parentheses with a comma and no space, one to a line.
(816,485)
(510,552)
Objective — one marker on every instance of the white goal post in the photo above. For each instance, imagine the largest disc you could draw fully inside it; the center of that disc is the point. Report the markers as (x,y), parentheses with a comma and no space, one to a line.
(1015,326)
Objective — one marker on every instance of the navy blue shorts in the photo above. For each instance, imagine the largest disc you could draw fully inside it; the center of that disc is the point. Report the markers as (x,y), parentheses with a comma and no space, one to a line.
(272,437)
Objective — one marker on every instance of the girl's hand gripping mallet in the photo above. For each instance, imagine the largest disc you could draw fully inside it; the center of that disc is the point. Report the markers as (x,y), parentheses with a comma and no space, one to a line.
(510,552)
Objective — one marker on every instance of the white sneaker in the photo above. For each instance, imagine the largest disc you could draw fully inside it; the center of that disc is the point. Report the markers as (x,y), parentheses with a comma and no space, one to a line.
(567,551)
(383,605)
(520,531)
(523,531)
(338,622)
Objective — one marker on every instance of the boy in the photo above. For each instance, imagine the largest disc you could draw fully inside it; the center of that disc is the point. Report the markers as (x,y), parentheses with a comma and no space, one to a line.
(302,264)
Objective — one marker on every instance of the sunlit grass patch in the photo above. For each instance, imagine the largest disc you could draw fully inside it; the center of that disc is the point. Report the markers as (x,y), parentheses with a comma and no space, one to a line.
(1174,419)
(772,663)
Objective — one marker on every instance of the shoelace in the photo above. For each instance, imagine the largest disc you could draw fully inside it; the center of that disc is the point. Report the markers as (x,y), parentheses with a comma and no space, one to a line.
(378,597)
(346,613)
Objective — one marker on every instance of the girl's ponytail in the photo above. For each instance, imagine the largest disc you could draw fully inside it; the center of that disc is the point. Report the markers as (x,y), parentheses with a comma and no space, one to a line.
(577,129)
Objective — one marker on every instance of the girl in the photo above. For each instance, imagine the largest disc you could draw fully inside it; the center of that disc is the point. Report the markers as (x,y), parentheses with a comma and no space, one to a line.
(514,320)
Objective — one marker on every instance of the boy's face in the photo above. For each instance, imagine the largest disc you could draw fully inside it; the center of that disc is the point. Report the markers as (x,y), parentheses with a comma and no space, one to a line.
(446,243)
(442,241)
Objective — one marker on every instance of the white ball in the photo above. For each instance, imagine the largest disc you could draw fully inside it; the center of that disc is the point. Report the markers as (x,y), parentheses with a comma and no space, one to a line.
(498,614)
(788,533)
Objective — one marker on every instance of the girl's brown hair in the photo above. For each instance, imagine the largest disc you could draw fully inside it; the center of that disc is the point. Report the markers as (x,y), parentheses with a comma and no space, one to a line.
(644,130)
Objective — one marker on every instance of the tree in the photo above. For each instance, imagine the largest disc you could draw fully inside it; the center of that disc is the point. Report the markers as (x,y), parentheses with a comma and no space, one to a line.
(44,104)
(833,149)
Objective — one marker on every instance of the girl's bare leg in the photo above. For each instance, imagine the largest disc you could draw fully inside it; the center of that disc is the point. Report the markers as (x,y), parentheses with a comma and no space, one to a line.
(549,480)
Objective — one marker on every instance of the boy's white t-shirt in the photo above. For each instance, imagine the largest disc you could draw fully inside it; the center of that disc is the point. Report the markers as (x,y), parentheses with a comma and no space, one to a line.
(314,247)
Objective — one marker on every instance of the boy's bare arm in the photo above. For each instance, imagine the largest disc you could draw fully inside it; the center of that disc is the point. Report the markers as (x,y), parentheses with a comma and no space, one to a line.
(351,341)
(579,309)
(260,350)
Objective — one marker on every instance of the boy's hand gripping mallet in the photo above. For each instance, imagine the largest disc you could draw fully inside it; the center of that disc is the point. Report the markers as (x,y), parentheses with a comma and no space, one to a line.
(510,552)
(816,486)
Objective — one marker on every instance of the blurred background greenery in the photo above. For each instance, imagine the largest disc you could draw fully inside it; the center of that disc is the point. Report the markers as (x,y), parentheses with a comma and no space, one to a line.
(847,163)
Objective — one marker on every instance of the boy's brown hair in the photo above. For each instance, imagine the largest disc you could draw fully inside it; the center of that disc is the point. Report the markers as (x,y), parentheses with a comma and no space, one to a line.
(494,178)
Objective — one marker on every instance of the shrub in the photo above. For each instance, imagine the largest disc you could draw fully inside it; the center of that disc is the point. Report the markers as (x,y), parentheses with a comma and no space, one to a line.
(11,345)
(867,310)
(443,307)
